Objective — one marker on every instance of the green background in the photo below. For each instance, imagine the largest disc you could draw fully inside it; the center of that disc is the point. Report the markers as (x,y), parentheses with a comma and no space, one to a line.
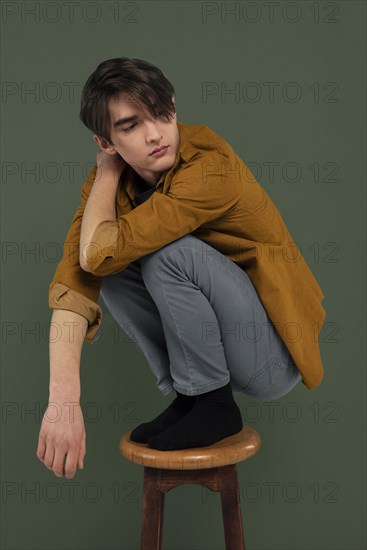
(305,490)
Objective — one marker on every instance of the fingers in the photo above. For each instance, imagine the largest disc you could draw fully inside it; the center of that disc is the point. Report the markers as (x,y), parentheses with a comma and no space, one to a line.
(71,463)
(58,463)
(41,449)
(82,453)
(62,461)
(49,457)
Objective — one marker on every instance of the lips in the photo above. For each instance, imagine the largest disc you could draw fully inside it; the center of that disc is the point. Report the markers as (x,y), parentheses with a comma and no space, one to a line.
(159,149)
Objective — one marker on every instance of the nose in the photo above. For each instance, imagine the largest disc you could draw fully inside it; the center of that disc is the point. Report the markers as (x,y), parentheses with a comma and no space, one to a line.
(153,132)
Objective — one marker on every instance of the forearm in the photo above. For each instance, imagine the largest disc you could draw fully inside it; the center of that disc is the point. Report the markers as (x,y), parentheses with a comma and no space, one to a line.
(67,332)
(100,207)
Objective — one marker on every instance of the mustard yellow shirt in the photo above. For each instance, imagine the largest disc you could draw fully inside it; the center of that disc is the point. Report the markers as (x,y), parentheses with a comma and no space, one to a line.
(211,193)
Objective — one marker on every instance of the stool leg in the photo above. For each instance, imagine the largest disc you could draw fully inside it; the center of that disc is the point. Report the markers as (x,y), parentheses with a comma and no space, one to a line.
(153,508)
(231,508)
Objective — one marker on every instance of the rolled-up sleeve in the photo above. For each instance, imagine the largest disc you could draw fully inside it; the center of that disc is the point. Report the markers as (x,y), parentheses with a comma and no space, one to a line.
(63,297)
(200,192)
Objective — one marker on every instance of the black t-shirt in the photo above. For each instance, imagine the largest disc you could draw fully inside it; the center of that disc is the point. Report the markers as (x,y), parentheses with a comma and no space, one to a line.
(142,193)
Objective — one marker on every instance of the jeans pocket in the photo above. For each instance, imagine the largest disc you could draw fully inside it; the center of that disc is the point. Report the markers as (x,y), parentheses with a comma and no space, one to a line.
(266,378)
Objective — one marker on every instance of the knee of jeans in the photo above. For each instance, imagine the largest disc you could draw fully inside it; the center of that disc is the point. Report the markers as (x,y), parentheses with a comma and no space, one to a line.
(152,262)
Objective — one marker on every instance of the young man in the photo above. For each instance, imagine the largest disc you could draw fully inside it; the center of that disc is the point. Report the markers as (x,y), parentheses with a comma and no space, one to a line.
(192,259)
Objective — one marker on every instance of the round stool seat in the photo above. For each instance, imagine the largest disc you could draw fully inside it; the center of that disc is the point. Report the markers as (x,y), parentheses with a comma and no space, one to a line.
(229,450)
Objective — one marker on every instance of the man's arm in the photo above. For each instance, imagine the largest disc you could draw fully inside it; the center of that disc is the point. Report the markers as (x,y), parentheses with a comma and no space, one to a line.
(101,203)
(76,317)
(66,340)
(62,439)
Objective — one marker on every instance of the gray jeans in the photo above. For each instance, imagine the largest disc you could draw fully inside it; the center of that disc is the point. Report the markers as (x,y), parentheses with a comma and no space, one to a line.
(199,322)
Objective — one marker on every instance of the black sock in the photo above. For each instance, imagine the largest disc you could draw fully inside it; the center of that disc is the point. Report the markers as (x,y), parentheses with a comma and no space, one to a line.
(214,416)
(180,406)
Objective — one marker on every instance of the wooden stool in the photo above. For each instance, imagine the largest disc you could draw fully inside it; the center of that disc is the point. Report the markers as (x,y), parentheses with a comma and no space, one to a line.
(213,467)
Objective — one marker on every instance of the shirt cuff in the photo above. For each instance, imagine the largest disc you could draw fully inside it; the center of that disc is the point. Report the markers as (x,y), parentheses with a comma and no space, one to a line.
(62,297)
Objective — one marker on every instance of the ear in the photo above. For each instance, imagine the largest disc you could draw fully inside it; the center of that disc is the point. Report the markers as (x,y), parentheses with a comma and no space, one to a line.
(104,145)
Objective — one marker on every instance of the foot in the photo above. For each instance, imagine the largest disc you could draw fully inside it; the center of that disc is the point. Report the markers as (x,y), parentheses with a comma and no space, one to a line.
(206,423)
(179,407)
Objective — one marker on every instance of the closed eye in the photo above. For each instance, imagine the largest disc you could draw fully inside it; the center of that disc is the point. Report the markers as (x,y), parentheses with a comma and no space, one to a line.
(129,128)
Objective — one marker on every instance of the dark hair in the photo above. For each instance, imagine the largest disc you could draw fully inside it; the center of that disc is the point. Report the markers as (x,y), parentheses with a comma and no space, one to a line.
(140,79)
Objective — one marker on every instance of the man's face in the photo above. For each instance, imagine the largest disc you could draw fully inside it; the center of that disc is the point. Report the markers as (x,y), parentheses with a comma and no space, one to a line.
(135,140)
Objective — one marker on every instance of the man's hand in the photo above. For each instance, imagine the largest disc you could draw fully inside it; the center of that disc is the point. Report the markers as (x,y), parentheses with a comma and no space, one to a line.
(62,439)
(108,165)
